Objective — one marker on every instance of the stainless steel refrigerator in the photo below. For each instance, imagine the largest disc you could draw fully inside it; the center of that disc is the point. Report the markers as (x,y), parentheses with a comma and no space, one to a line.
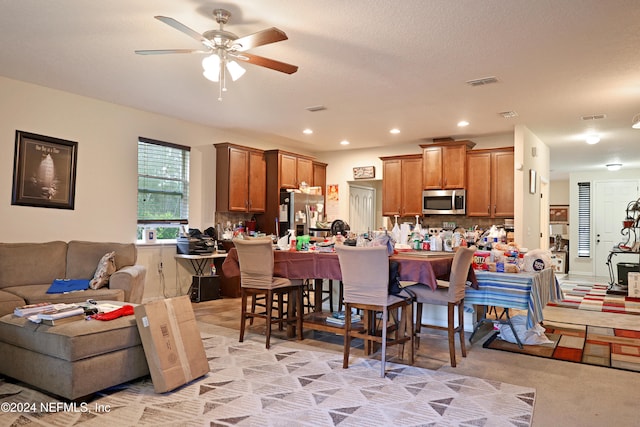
(299,212)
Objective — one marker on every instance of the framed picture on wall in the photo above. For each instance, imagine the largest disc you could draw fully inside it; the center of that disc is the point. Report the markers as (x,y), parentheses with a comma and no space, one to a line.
(44,171)
(364,172)
(532,181)
(558,214)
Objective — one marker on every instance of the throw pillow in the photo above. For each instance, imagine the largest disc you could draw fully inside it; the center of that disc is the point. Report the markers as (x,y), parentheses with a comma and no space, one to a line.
(106,267)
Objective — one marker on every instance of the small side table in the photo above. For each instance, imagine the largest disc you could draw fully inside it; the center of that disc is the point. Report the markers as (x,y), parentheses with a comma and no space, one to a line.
(199,262)
(204,287)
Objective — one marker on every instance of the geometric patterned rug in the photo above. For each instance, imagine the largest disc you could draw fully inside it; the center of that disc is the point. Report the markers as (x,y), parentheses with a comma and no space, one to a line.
(595,298)
(591,345)
(290,386)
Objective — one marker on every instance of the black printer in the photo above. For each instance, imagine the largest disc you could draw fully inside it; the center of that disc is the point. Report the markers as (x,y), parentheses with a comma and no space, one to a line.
(196,243)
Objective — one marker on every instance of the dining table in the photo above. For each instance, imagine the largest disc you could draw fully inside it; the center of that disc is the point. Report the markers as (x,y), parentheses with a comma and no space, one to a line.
(415,267)
(528,291)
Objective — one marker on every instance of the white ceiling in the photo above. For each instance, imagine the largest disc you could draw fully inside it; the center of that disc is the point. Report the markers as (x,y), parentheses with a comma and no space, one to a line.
(374,64)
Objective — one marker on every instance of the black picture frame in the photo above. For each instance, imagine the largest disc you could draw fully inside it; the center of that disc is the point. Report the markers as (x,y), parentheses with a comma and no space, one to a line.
(44,171)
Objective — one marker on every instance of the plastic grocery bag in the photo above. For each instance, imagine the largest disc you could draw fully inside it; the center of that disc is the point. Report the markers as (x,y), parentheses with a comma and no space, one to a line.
(533,336)
(384,240)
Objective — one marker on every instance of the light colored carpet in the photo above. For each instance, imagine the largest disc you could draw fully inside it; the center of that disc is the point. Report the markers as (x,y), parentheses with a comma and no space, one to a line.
(292,385)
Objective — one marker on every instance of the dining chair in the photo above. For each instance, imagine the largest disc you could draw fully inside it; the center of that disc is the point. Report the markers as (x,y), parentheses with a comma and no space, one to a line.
(365,278)
(255,258)
(450,294)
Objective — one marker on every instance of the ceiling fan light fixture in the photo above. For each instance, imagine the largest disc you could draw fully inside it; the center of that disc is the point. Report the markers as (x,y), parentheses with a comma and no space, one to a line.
(211,66)
(235,70)
(635,123)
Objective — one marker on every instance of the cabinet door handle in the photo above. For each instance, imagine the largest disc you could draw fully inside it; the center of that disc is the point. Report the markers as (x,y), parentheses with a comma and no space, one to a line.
(489,209)
(495,208)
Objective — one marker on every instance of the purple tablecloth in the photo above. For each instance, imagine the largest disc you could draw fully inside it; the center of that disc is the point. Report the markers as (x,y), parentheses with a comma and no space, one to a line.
(314,265)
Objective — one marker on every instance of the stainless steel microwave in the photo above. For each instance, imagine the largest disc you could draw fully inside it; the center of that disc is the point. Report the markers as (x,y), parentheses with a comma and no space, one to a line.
(444,202)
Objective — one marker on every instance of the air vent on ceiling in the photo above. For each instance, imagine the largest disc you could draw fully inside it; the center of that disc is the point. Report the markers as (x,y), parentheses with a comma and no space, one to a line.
(483,81)
(316,108)
(594,117)
(508,114)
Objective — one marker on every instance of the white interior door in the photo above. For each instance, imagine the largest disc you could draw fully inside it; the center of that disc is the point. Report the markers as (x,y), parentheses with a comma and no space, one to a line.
(362,205)
(609,208)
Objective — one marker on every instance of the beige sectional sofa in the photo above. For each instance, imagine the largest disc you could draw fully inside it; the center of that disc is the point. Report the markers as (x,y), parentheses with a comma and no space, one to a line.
(28,269)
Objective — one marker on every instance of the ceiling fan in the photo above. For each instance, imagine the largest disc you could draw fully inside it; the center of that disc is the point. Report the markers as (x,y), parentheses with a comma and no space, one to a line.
(224,46)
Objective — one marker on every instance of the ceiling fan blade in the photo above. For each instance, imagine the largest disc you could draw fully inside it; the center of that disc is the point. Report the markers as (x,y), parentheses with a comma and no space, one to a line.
(266,62)
(270,35)
(188,31)
(165,51)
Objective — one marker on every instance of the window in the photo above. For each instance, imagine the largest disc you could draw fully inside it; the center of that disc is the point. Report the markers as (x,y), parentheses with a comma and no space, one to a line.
(584,219)
(163,187)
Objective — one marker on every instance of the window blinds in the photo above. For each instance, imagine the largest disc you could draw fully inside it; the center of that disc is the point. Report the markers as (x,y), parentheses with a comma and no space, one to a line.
(163,182)
(584,219)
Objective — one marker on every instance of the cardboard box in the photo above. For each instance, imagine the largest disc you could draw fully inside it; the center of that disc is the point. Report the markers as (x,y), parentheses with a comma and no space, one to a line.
(171,342)
(634,284)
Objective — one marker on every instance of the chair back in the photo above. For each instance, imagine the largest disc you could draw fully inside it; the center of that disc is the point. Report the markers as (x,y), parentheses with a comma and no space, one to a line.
(459,272)
(365,274)
(255,258)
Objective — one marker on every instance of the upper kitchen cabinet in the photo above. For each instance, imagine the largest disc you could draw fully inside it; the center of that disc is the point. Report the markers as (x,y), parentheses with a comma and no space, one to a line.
(401,185)
(490,186)
(240,179)
(443,164)
(292,169)
(320,176)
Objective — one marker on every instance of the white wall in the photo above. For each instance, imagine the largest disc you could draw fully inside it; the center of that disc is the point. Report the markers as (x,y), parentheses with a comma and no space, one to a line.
(528,207)
(559,192)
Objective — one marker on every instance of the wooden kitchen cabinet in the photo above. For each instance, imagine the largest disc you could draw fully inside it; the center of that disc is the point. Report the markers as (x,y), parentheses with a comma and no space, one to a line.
(286,170)
(320,176)
(240,179)
(490,186)
(444,165)
(293,169)
(401,185)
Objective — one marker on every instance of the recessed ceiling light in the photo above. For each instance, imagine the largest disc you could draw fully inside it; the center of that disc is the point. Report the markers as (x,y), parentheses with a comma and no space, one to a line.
(592,139)
(394,131)
(463,123)
(614,166)
(307,131)
(344,142)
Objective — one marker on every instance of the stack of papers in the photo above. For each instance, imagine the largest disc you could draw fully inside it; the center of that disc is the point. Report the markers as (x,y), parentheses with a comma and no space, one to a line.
(31,309)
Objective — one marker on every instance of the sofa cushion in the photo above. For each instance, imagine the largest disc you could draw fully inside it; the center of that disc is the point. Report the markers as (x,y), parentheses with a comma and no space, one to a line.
(83,257)
(33,294)
(34,263)
(71,341)
(9,301)
(106,267)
